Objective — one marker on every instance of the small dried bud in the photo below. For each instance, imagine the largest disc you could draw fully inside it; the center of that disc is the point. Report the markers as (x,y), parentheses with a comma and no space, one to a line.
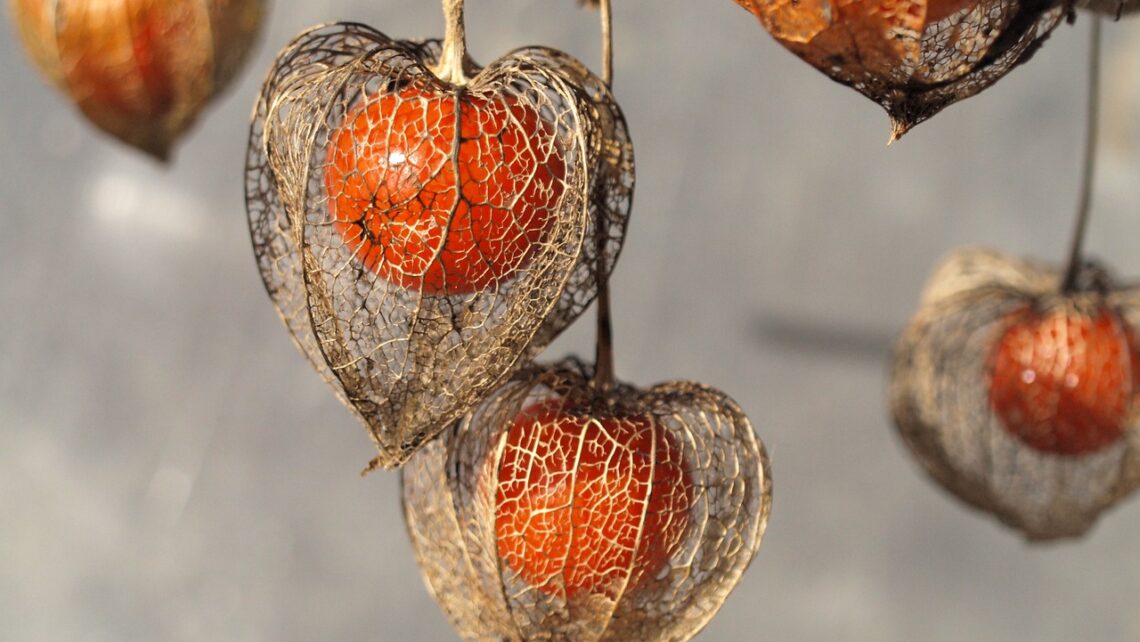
(557,512)
(141,70)
(1018,398)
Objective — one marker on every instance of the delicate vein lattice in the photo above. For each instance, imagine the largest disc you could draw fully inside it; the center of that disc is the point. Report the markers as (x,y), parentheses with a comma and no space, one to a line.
(553,512)
(1049,464)
(913,57)
(414,266)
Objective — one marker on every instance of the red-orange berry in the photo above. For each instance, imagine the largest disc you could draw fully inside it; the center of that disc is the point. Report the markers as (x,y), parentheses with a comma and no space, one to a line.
(587,502)
(394,195)
(1062,382)
(938,9)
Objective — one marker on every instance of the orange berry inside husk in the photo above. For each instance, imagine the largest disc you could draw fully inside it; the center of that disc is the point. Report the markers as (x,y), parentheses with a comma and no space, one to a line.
(398,203)
(591,504)
(940,9)
(1063,382)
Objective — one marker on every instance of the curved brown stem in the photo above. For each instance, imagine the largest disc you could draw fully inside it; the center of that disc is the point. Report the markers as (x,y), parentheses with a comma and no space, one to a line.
(604,346)
(450,67)
(1084,202)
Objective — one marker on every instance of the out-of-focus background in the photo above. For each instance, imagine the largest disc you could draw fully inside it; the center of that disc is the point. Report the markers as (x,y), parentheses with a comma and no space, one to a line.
(171,468)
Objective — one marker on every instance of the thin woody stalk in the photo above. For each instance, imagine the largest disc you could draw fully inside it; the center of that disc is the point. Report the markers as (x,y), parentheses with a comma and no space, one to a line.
(604,347)
(450,67)
(1088,173)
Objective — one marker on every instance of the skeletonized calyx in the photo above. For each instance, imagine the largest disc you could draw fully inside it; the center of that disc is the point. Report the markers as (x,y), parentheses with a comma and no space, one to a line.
(913,57)
(420,237)
(1019,399)
(557,512)
(140,70)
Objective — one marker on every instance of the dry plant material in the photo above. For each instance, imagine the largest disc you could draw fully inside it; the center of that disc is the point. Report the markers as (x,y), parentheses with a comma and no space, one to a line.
(140,70)
(557,512)
(422,236)
(913,57)
(1019,399)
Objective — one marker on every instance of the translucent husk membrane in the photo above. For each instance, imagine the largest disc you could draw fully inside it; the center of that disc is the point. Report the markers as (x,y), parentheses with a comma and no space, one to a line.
(495,580)
(142,70)
(941,382)
(913,57)
(366,292)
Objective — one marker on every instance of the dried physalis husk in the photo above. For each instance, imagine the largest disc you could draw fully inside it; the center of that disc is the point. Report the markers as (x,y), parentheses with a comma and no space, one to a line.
(558,512)
(139,70)
(913,57)
(1019,399)
(414,267)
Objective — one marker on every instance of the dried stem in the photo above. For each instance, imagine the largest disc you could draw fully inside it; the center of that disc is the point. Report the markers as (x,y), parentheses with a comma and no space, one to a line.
(604,348)
(450,68)
(1084,202)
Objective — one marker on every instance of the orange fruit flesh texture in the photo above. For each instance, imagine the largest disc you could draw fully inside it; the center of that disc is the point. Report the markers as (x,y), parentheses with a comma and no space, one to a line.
(1064,383)
(851,37)
(393,196)
(591,505)
(940,9)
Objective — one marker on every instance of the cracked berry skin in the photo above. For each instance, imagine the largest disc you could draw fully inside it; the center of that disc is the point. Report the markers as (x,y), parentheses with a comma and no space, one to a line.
(588,504)
(1063,382)
(398,203)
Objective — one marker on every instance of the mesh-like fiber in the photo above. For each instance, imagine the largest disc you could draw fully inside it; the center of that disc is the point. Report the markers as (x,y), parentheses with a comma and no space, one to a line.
(913,57)
(351,170)
(943,374)
(553,512)
(140,70)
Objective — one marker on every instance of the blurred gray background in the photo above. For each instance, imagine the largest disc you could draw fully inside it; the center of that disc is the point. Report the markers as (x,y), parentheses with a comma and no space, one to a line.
(171,468)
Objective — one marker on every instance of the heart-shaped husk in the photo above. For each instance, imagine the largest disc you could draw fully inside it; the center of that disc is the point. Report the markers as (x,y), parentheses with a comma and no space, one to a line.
(141,70)
(406,360)
(913,57)
(940,397)
(463,492)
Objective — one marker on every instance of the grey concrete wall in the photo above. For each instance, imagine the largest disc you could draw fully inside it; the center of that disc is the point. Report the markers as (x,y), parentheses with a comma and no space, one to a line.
(171,469)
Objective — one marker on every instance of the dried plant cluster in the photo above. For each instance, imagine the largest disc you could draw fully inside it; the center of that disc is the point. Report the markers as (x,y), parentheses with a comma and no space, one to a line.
(913,57)
(558,511)
(1020,399)
(415,267)
(141,70)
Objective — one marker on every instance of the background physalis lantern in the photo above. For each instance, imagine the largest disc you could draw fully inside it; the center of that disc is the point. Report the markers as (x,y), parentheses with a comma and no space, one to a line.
(913,57)
(558,512)
(1020,399)
(140,70)
(420,237)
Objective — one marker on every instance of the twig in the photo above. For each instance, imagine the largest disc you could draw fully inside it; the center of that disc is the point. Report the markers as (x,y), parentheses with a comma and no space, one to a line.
(450,67)
(1084,202)
(604,348)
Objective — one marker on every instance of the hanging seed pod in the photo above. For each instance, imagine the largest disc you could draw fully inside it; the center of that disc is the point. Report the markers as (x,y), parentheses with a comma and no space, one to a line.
(555,512)
(913,57)
(1019,399)
(413,266)
(141,70)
